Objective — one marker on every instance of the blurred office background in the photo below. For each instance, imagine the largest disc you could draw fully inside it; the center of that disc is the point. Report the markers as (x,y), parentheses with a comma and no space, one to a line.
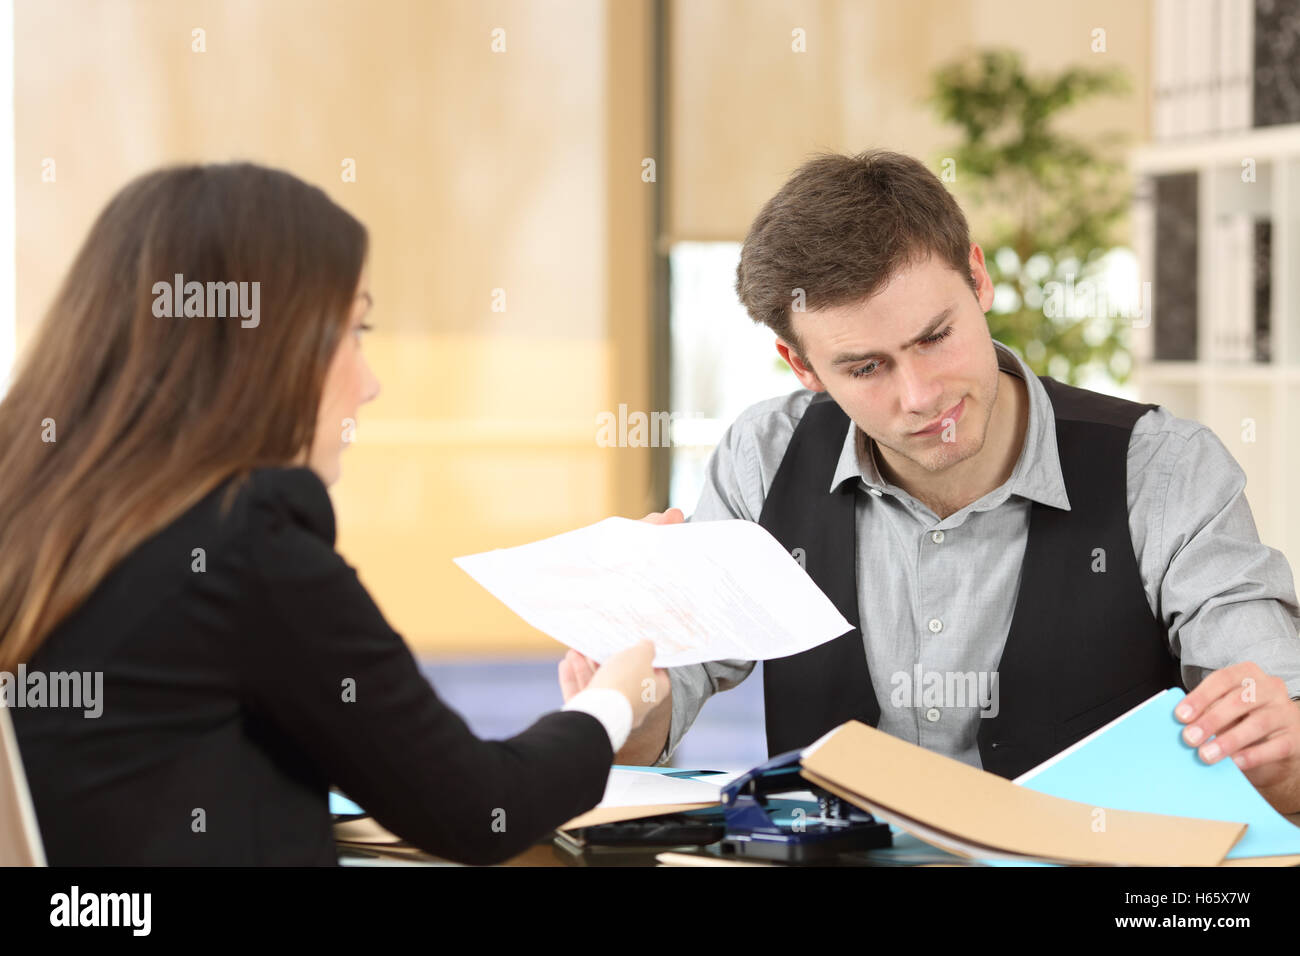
(556,191)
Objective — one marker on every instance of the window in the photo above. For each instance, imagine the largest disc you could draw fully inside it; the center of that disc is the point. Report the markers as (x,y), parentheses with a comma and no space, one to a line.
(723,361)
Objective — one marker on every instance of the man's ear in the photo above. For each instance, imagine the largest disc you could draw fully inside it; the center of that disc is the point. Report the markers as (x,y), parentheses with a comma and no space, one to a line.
(802,370)
(980,273)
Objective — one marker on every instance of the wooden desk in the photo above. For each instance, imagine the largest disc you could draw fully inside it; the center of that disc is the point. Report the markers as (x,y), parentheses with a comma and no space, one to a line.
(547,854)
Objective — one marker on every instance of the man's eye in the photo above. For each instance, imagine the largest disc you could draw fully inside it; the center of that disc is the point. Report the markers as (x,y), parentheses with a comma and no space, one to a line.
(869,369)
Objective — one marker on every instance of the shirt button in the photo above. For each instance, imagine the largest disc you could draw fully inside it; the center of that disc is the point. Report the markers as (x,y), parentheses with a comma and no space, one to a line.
(932,714)
(936,537)
(936,625)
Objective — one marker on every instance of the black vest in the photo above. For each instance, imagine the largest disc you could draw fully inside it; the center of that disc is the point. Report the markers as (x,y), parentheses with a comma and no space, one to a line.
(1083,646)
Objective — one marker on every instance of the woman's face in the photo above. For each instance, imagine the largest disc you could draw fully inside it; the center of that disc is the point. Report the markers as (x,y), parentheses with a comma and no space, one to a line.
(349,384)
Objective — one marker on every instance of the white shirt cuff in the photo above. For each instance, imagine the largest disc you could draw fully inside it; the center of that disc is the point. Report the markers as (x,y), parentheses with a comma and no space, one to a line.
(609,707)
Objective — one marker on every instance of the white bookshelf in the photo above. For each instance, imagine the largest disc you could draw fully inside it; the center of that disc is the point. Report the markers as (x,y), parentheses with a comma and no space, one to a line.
(1221,388)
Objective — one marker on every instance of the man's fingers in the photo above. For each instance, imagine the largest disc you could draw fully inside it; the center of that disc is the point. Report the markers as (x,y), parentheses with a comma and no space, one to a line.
(1240,678)
(1246,695)
(663,684)
(1253,729)
(568,683)
(1276,748)
(580,670)
(1218,717)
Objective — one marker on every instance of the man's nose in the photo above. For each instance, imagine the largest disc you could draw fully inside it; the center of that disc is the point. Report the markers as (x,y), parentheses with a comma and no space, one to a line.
(919,391)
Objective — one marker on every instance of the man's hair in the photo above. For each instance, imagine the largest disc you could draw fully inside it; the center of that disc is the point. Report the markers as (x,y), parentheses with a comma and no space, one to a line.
(840,228)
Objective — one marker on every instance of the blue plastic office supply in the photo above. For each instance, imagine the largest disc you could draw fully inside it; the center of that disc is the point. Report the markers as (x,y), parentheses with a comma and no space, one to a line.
(756,827)
(341,806)
(1142,764)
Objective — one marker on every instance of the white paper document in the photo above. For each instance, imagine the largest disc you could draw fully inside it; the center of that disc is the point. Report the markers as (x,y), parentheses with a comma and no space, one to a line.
(706,591)
(636,788)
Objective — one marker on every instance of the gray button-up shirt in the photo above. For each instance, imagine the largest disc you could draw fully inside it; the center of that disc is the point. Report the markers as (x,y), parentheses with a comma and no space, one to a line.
(943,590)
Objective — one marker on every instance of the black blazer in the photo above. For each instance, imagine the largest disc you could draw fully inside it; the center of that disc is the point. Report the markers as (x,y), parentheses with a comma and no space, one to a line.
(224,692)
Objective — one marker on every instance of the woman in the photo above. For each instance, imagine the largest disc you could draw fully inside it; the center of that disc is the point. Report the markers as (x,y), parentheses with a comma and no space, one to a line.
(165,523)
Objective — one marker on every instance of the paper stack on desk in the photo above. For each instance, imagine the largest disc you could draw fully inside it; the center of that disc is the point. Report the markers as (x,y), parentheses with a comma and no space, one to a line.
(705,591)
(641,787)
(633,793)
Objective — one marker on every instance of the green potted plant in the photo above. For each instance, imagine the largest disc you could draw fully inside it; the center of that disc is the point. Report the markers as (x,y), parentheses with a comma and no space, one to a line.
(1048,207)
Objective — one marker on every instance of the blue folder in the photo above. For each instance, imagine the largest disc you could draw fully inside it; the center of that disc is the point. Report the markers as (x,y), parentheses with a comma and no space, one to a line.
(1142,764)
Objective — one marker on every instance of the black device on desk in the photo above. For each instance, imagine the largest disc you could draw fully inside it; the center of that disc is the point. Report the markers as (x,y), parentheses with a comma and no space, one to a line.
(608,843)
(635,842)
(751,824)
(698,828)
(753,832)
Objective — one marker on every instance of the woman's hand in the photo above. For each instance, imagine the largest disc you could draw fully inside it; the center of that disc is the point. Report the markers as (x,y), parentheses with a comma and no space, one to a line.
(647,690)
(628,672)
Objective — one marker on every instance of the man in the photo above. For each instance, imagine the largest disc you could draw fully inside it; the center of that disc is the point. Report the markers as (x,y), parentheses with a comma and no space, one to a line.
(1068,553)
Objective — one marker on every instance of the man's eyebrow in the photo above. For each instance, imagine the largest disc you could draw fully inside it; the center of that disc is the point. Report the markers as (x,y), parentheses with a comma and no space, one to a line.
(848,358)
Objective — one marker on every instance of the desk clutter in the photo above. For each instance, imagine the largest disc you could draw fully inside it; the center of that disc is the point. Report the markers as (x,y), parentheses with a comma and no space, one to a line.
(1130,794)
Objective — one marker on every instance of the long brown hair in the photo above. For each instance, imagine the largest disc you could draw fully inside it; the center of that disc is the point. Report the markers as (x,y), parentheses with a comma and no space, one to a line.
(149,414)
